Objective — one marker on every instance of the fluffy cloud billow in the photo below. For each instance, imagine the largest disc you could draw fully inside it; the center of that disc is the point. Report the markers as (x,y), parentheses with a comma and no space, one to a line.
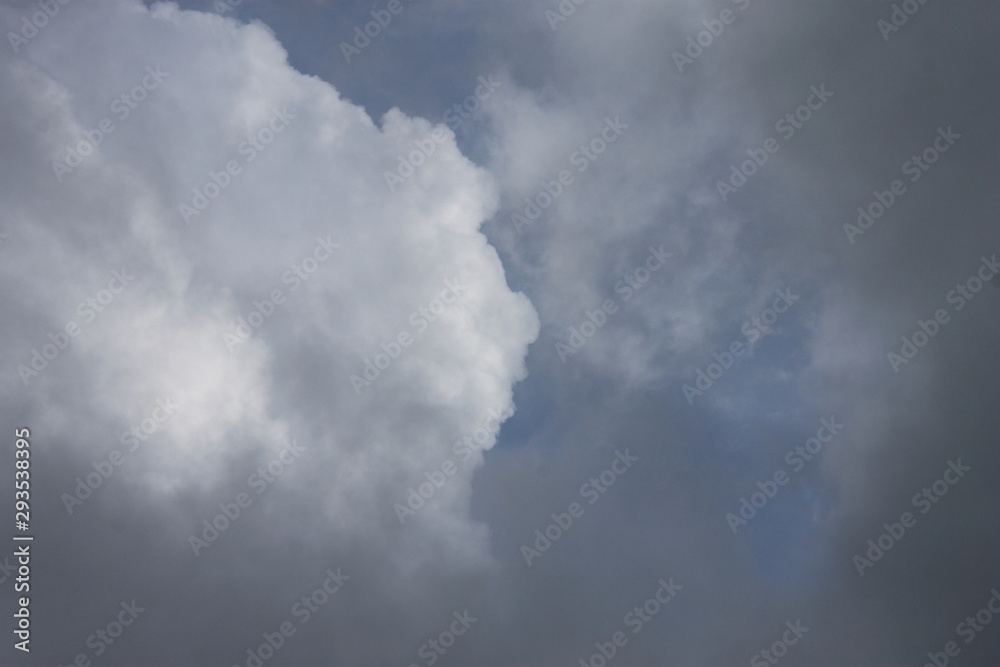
(264,264)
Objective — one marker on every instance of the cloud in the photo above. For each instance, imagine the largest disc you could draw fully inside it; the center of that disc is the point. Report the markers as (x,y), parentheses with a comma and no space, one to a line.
(280,172)
(220,235)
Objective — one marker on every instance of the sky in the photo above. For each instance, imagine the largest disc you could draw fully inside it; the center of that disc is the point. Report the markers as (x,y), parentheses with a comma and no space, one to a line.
(441,332)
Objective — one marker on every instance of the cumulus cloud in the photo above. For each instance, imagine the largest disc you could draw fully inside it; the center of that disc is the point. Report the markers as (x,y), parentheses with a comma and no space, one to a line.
(238,196)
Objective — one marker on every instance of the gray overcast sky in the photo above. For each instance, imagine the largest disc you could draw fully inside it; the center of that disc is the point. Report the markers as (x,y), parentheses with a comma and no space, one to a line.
(501,333)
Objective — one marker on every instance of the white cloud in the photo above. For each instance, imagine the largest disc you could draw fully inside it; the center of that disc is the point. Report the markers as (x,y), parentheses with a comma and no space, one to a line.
(320,176)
